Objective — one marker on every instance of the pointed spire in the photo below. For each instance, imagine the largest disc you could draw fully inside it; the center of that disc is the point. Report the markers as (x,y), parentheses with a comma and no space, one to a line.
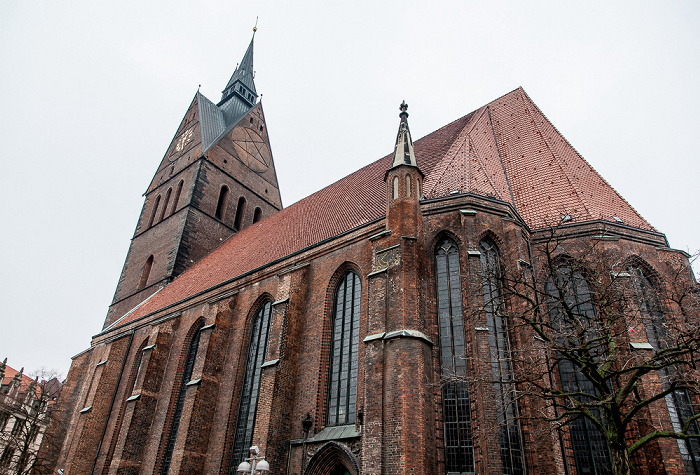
(403,151)
(241,81)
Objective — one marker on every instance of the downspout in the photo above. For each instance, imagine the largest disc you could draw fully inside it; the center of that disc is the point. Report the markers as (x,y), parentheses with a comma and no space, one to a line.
(111,405)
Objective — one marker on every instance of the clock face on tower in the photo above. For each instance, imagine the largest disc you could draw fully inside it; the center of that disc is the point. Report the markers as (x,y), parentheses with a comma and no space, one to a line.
(181,142)
(252,149)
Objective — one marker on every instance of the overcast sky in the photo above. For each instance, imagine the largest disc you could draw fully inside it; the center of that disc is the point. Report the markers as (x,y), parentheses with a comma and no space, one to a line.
(93,93)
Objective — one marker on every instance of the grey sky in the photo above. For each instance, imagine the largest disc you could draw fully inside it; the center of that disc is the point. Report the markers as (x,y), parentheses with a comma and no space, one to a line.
(94,91)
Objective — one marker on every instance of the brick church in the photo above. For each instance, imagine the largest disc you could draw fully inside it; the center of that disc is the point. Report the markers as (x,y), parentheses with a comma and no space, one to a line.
(320,332)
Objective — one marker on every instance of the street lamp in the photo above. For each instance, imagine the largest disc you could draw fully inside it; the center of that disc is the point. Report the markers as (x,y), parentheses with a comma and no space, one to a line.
(254,464)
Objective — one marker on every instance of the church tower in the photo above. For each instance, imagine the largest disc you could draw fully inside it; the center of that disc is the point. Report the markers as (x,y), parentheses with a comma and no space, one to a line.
(216,178)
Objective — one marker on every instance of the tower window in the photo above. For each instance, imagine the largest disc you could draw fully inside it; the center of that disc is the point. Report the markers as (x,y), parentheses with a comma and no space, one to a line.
(240,213)
(408,186)
(153,213)
(396,187)
(177,197)
(257,214)
(165,204)
(221,205)
(459,445)
(245,423)
(342,380)
(145,272)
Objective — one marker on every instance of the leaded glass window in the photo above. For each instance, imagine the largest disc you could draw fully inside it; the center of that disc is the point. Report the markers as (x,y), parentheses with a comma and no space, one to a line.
(177,413)
(245,423)
(342,381)
(456,407)
(501,365)
(678,403)
(572,311)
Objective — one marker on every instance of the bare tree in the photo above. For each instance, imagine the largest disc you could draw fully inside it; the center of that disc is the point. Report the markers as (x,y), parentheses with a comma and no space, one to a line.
(25,412)
(613,343)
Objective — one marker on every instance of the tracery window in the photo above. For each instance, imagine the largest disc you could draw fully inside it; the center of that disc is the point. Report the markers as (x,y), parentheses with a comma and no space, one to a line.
(571,290)
(456,406)
(501,364)
(678,403)
(345,337)
(245,423)
(177,411)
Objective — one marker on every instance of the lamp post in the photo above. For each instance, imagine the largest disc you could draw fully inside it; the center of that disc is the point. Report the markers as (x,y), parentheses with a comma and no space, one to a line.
(306,426)
(254,464)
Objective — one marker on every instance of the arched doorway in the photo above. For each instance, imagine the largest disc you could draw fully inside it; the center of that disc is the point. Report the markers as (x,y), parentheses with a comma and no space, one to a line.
(333,459)
(340,470)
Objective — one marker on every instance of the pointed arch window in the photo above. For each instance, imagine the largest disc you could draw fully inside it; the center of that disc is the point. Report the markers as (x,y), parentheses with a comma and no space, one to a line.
(678,403)
(345,337)
(257,215)
(221,204)
(179,403)
(456,405)
(245,423)
(153,213)
(408,186)
(178,190)
(501,363)
(146,272)
(165,204)
(569,290)
(240,213)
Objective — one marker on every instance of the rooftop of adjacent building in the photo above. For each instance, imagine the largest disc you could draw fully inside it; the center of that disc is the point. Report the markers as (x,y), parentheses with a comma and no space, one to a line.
(11,376)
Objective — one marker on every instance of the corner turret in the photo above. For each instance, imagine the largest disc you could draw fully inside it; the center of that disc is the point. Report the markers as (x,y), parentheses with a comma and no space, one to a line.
(404,181)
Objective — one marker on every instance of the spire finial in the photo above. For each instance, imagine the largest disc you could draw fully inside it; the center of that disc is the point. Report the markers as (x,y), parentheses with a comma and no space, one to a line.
(403,108)
(403,151)
(255,28)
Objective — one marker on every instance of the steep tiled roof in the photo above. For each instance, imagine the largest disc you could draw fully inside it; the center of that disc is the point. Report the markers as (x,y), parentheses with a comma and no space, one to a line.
(507,149)
(10,373)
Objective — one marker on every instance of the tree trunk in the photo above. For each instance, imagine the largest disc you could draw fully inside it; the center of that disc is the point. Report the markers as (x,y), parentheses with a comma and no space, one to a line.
(620,460)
